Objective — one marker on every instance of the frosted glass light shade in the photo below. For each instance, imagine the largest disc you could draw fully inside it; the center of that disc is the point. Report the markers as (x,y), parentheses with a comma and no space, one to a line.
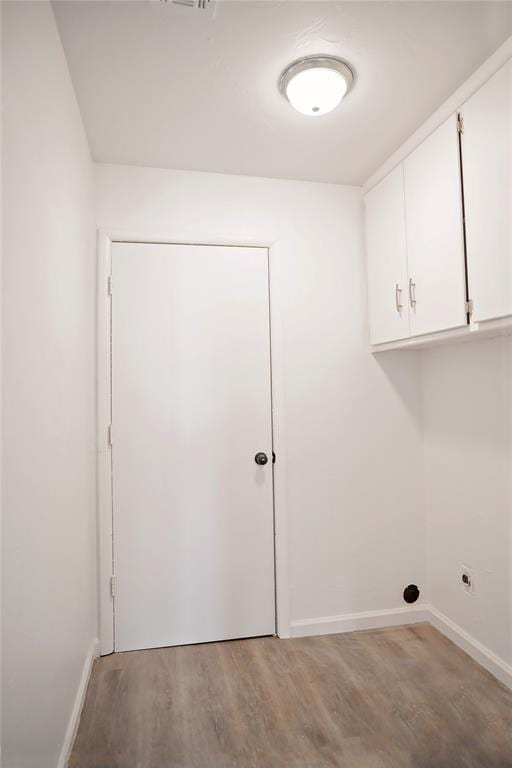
(316,85)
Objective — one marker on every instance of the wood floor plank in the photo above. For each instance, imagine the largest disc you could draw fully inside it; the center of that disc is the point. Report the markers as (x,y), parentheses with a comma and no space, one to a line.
(404,697)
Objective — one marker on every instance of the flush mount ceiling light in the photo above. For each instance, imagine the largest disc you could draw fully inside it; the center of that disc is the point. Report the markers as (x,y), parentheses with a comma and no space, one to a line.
(315,85)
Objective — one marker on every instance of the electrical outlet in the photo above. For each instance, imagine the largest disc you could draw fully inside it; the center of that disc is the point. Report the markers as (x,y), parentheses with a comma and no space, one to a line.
(466,578)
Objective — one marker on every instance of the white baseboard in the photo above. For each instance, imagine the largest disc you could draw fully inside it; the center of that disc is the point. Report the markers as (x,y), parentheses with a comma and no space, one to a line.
(474,648)
(348,622)
(74,718)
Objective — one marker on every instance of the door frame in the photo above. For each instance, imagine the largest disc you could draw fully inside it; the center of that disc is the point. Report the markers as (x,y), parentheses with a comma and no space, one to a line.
(104,415)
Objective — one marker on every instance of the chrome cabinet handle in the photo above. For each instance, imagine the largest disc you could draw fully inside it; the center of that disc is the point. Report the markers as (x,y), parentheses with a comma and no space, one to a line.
(412,293)
(398,298)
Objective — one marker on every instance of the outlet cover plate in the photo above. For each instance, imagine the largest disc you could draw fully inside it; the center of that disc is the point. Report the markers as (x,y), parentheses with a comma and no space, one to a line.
(468,588)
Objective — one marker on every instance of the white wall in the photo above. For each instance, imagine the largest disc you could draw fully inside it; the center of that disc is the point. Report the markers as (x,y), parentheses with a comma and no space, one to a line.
(354,451)
(467,391)
(467,422)
(49,592)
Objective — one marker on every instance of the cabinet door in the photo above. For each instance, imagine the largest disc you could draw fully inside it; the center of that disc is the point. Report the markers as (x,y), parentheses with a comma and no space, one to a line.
(387,260)
(435,243)
(487,166)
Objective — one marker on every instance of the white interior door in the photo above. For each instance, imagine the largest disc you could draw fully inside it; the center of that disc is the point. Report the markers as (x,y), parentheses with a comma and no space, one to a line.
(435,239)
(487,164)
(387,259)
(191,406)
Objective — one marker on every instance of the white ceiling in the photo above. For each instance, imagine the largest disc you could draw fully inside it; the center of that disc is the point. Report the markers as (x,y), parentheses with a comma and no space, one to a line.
(168,86)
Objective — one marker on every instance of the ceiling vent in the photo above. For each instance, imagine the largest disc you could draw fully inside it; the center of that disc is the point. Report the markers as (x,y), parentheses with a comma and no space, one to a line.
(201,5)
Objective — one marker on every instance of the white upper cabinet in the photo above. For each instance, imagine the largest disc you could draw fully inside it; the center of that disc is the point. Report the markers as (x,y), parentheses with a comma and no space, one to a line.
(434,227)
(439,233)
(387,260)
(487,165)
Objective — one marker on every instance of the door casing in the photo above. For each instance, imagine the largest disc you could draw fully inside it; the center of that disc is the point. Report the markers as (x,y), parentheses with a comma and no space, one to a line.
(104,416)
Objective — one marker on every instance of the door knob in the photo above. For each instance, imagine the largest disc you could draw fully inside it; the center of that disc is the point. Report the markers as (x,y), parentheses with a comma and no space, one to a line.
(261,459)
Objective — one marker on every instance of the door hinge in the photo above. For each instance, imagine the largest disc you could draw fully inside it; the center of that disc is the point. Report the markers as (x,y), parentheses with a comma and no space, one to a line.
(469,307)
(110,434)
(109,285)
(113,586)
(460,124)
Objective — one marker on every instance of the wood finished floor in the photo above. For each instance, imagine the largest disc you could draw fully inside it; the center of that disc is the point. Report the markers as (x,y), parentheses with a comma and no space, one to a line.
(396,698)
